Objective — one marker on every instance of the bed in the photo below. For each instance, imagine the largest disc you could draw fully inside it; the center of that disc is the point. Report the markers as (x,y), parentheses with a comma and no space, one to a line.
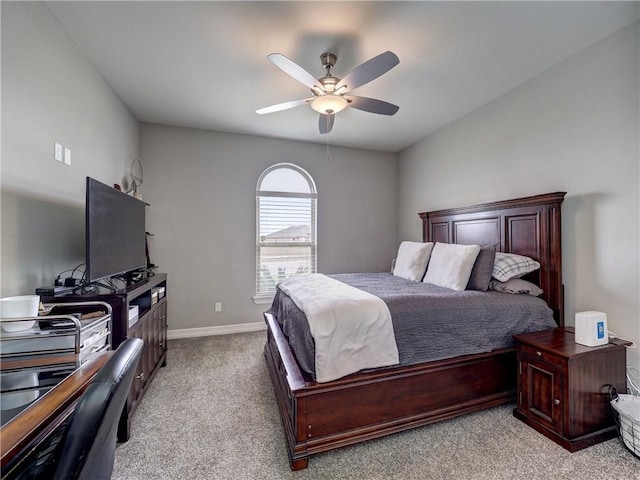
(318,417)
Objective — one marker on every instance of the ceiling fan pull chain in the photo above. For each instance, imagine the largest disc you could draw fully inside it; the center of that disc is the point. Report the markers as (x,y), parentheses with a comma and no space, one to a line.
(328,144)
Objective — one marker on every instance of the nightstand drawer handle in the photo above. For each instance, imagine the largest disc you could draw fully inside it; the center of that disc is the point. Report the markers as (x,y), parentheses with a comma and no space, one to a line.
(556,401)
(539,353)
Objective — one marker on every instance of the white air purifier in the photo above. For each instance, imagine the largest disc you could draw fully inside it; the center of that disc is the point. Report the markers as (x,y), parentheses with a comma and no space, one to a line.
(591,329)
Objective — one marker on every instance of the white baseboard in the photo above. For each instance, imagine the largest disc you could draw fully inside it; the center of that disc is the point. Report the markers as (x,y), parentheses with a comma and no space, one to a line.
(219,330)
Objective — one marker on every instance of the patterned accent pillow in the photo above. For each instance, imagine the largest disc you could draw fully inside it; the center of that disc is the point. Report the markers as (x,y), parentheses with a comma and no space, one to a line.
(509,265)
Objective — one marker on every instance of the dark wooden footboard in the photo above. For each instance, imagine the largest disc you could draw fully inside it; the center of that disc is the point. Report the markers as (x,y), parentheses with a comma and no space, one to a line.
(323,416)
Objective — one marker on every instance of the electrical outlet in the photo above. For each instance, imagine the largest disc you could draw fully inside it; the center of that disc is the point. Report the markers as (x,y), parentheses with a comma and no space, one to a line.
(218,307)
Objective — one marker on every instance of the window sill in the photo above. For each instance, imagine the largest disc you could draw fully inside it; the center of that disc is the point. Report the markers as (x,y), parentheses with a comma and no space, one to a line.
(260,300)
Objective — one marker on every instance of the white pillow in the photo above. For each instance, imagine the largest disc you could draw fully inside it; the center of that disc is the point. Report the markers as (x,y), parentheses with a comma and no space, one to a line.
(510,265)
(412,260)
(451,264)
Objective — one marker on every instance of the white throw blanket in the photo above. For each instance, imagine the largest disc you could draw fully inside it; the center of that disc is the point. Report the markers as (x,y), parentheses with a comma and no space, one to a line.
(352,329)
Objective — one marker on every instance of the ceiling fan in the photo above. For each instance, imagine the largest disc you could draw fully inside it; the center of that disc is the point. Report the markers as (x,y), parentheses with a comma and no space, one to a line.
(329,92)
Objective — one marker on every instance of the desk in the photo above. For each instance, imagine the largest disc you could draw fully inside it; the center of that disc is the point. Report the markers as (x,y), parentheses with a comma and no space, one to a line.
(22,434)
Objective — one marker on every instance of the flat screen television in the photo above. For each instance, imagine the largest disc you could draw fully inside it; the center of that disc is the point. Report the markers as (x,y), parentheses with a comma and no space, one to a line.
(115,232)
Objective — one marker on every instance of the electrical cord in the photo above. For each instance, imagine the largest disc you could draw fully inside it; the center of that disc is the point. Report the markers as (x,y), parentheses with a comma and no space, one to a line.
(94,287)
(72,270)
(633,380)
(112,284)
(615,335)
(71,281)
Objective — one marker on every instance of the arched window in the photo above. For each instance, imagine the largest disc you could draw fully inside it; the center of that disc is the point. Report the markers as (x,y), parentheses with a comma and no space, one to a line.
(285,226)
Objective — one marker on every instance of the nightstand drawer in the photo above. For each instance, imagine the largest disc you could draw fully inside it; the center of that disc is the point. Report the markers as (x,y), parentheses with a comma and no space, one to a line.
(538,354)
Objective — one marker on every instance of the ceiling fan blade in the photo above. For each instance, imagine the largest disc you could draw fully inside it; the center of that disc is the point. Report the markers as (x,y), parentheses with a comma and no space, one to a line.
(372,105)
(325,122)
(284,106)
(369,70)
(292,69)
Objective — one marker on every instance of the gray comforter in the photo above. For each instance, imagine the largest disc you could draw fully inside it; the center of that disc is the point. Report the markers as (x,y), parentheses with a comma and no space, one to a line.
(429,322)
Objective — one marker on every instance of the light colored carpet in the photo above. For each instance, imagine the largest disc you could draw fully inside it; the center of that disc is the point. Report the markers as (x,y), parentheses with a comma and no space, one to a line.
(211,414)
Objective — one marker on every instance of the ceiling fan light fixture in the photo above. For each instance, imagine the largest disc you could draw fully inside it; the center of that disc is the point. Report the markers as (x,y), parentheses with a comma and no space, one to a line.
(340,90)
(329,104)
(329,83)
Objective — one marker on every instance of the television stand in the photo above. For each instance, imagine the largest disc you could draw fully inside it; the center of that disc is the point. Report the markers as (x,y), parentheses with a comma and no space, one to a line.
(150,326)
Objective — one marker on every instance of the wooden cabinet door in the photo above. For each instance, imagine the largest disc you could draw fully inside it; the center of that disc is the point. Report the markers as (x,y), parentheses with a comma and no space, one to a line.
(137,331)
(161,340)
(156,329)
(157,348)
(542,392)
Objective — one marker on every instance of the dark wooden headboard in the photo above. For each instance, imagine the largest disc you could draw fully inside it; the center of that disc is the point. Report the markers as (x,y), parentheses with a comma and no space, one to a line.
(527,226)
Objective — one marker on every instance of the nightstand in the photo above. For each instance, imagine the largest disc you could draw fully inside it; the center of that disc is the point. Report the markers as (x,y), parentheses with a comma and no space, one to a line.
(563,386)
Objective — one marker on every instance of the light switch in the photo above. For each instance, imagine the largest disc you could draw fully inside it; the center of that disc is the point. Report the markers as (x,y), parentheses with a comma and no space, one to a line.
(67,156)
(57,151)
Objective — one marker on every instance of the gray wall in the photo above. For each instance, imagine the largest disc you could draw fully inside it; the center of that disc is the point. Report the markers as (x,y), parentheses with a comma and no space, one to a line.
(52,93)
(201,186)
(574,128)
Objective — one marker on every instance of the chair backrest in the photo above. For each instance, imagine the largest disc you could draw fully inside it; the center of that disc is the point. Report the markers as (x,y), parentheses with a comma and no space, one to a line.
(88,447)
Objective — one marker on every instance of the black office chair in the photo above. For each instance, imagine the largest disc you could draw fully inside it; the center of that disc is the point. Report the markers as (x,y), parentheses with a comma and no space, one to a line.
(87,449)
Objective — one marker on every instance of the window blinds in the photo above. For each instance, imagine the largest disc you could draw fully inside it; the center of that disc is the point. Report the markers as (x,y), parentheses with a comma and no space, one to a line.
(286,237)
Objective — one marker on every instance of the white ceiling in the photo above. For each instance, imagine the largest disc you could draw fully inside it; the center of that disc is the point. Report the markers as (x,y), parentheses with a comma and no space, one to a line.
(204,65)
